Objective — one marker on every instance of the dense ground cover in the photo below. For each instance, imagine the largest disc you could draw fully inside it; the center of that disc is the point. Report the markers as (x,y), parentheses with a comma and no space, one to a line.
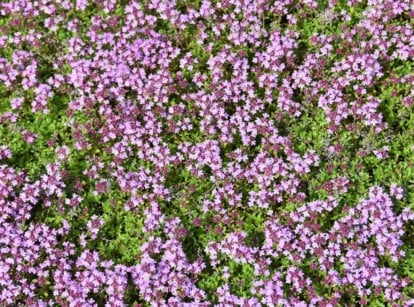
(198,153)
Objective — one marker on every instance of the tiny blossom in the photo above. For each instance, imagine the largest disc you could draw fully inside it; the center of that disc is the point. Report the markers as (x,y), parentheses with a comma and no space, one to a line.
(29,137)
(93,226)
(381,153)
(62,152)
(396,191)
(5,152)
(16,103)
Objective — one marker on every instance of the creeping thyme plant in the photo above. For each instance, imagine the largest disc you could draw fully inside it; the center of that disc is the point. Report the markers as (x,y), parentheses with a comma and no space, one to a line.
(206,153)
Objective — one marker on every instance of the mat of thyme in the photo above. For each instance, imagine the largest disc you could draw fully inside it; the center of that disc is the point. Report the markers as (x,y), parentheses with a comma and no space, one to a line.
(206,153)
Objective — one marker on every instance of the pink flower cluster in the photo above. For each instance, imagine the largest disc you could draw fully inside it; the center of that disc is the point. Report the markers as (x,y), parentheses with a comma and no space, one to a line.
(180,115)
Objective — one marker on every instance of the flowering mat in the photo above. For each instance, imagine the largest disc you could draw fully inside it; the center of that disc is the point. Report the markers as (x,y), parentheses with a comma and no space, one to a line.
(207,153)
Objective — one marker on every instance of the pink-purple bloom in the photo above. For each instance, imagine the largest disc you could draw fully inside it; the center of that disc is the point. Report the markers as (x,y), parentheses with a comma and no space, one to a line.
(199,153)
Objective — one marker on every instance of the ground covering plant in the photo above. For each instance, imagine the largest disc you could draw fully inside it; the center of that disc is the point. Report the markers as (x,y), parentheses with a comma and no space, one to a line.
(206,153)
